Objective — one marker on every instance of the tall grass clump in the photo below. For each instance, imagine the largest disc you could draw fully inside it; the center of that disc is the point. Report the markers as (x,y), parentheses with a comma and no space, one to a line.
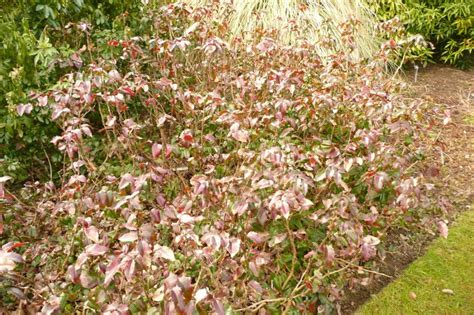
(296,20)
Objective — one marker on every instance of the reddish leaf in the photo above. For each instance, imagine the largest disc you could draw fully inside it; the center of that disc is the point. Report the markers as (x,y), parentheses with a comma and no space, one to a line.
(443,229)
(164,252)
(96,250)
(128,237)
(92,233)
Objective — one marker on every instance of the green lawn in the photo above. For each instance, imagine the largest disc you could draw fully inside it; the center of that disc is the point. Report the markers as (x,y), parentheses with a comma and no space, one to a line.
(448,264)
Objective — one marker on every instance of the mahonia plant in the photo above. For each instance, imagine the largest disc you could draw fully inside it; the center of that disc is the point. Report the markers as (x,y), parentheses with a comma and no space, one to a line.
(212,176)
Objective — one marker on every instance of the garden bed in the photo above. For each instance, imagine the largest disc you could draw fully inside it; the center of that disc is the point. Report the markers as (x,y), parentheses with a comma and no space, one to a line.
(189,170)
(453,89)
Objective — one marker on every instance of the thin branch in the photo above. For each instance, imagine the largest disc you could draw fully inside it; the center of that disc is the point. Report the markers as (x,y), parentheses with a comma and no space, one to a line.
(293,249)
(364,269)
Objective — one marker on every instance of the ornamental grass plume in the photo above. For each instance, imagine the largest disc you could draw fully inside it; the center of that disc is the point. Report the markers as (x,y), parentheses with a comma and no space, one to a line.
(316,20)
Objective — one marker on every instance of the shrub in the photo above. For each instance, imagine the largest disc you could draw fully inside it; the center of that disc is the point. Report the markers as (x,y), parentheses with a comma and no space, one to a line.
(39,40)
(205,176)
(447,24)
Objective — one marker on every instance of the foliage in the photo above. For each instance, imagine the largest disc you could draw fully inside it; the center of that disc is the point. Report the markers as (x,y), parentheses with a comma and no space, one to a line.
(446,24)
(206,175)
(39,40)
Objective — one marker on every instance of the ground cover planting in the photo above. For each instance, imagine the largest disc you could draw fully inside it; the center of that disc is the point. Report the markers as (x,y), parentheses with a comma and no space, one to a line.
(206,173)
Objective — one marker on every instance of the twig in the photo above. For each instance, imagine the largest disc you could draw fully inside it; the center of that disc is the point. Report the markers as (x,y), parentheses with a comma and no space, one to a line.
(49,162)
(364,269)
(256,306)
(293,249)
(335,271)
(296,289)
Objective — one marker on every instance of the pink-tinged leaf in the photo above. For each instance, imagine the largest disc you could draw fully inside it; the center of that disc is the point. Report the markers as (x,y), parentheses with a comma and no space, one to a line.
(129,269)
(379,179)
(17,293)
(367,251)
(285,210)
(58,112)
(256,286)
(321,176)
(24,109)
(126,180)
(239,134)
(201,294)
(155,215)
(306,204)
(6,263)
(164,252)
(51,306)
(4,179)
(240,208)
(156,150)
(81,259)
(348,164)
(42,101)
(110,121)
(333,153)
(86,130)
(266,45)
(371,240)
(218,307)
(264,183)
(111,270)
(128,237)
(368,248)
(191,29)
(185,218)
(233,246)
(329,254)
(73,274)
(178,298)
(76,179)
(443,228)
(254,268)
(17,258)
(92,233)
(159,294)
(258,238)
(87,281)
(115,75)
(96,250)
(212,240)
(116,309)
(327,203)
(277,239)
(340,182)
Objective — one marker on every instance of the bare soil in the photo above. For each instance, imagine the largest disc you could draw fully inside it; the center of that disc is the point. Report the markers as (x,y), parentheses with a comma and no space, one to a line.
(452,153)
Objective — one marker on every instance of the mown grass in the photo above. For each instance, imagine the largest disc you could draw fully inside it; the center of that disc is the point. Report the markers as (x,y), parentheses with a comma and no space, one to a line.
(448,264)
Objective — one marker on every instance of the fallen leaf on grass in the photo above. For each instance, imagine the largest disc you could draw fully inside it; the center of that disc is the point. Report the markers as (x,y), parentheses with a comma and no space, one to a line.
(443,229)
(412,295)
(448,291)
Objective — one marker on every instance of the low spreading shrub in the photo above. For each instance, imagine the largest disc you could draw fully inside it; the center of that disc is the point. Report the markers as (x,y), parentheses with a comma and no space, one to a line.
(202,175)
(448,25)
